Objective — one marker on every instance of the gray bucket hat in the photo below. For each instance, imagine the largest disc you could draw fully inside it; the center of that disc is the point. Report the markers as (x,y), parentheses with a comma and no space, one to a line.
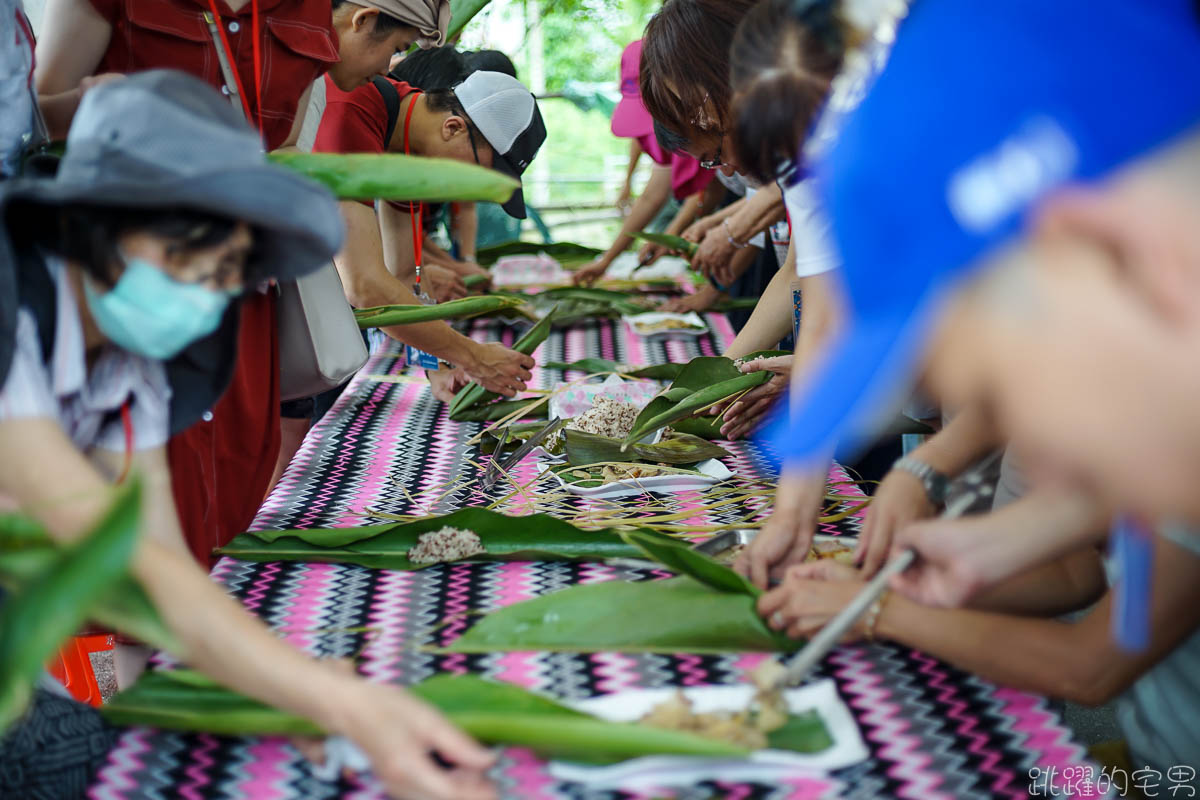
(163,138)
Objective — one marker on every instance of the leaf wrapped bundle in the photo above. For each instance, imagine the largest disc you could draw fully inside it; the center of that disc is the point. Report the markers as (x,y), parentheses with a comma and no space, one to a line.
(473,395)
(708,609)
(704,381)
(464,308)
(531,538)
(588,448)
(389,176)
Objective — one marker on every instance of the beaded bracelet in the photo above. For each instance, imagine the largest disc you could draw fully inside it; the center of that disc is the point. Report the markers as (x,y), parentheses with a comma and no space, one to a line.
(729,235)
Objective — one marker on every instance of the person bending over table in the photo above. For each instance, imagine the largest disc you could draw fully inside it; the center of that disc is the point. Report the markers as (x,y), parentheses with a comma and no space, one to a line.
(118,276)
(489,119)
(223,466)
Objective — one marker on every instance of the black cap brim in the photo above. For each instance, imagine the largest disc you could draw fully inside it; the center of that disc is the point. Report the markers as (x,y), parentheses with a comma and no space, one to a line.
(515,205)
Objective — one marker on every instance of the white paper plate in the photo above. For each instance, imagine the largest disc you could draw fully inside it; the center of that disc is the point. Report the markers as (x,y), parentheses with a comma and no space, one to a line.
(711,472)
(765,766)
(697,323)
(667,267)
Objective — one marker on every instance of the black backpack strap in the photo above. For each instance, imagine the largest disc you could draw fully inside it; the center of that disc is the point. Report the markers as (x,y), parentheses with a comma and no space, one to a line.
(391,100)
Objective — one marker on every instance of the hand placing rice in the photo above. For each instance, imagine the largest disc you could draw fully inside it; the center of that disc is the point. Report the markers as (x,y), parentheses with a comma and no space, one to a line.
(447,544)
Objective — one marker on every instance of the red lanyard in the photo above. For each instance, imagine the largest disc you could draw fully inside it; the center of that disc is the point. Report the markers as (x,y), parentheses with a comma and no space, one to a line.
(254,32)
(127,424)
(414,218)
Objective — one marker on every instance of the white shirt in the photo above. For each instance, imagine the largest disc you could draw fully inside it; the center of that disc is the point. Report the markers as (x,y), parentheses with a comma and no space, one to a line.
(811,235)
(86,404)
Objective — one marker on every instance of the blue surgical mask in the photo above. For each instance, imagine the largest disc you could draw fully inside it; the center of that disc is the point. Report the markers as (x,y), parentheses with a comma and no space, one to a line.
(153,315)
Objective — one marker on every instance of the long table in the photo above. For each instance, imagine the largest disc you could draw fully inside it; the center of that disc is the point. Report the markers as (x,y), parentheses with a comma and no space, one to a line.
(387,446)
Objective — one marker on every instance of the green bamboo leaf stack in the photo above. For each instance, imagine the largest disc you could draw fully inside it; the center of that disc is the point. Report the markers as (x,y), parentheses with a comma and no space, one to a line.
(568,254)
(593,366)
(464,308)
(473,395)
(389,176)
(50,606)
(494,713)
(531,538)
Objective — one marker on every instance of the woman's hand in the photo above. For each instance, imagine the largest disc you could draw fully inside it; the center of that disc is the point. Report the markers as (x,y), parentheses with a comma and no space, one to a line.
(714,254)
(899,501)
(400,734)
(498,369)
(695,232)
(587,275)
(811,595)
(445,383)
(786,538)
(747,413)
(442,284)
(700,300)
(651,252)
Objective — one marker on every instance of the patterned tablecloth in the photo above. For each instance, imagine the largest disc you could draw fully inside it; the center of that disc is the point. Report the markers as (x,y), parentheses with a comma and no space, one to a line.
(933,731)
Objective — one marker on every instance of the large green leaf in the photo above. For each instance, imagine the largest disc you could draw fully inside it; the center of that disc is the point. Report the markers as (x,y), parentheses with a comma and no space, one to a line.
(677,243)
(494,713)
(588,448)
(531,538)
(464,308)
(123,606)
(592,366)
(703,381)
(566,253)
(51,605)
(618,301)
(473,394)
(704,427)
(388,176)
(462,12)
(679,615)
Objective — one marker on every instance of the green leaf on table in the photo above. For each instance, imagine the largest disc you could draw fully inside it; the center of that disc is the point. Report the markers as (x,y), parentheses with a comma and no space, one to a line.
(671,242)
(618,301)
(490,412)
(703,381)
(588,448)
(678,615)
(568,254)
(473,395)
(389,176)
(704,427)
(494,713)
(50,605)
(593,366)
(474,279)
(539,537)
(464,308)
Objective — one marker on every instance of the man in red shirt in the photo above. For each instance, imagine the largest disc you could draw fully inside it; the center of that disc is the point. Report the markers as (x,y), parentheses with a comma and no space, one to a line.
(222,466)
(489,119)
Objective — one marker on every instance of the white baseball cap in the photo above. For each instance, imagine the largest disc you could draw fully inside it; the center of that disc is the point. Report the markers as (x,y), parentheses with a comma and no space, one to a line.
(507,115)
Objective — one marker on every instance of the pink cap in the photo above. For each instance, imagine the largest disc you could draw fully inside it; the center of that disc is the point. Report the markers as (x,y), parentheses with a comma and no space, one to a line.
(630,119)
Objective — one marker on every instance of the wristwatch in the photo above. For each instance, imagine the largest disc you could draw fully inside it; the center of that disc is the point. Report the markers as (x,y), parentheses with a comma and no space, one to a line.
(934,482)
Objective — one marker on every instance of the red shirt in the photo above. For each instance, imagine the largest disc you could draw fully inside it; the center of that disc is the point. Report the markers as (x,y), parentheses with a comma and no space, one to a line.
(356,122)
(687,176)
(222,466)
(298,46)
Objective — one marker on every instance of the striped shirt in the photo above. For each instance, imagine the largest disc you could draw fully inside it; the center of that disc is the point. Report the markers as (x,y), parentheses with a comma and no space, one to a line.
(86,403)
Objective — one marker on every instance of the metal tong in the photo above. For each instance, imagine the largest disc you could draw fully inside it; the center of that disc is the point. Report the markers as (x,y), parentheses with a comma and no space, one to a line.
(496,468)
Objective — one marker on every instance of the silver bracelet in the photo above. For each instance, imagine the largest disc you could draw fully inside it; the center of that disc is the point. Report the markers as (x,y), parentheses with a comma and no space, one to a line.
(729,235)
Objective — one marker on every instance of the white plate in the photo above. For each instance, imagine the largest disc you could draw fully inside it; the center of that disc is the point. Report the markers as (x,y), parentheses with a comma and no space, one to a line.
(697,324)
(764,766)
(711,472)
(667,267)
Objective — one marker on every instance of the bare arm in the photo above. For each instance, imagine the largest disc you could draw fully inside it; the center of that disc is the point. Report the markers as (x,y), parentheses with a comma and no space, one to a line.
(465,227)
(368,282)
(649,203)
(758,213)
(771,320)
(53,482)
(73,40)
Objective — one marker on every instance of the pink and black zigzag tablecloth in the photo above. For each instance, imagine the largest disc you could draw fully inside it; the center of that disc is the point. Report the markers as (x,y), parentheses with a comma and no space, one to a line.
(933,731)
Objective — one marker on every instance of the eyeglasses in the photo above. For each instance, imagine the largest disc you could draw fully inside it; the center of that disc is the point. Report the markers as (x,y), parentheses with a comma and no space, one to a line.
(715,161)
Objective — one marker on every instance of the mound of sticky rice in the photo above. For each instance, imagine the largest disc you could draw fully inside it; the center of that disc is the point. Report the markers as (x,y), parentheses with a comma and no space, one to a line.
(447,544)
(607,417)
